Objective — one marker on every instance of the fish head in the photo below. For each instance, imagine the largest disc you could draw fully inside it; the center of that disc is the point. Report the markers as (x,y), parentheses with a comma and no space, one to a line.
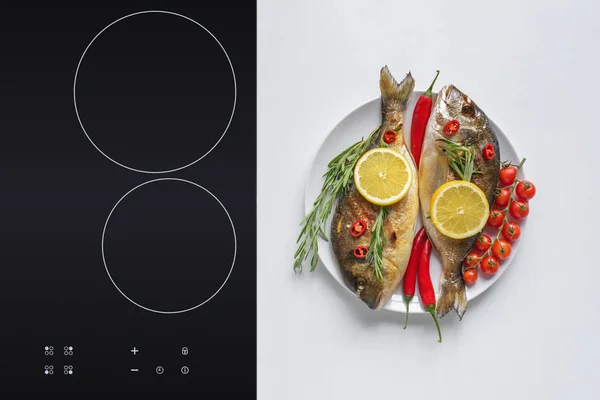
(452,104)
(368,287)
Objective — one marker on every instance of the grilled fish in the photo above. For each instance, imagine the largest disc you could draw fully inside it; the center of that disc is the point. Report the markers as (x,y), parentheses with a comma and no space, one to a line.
(434,170)
(401,219)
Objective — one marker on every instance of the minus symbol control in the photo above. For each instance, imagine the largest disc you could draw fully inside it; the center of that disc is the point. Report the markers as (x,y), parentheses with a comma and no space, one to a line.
(134,370)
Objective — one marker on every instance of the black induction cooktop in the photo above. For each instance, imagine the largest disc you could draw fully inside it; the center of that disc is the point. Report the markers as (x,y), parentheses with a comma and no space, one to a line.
(128,199)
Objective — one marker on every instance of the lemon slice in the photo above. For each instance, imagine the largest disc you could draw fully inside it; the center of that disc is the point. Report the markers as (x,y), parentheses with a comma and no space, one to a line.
(459,209)
(383,176)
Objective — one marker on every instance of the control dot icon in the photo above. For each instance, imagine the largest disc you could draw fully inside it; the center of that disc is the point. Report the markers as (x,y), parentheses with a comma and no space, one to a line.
(48,369)
(49,350)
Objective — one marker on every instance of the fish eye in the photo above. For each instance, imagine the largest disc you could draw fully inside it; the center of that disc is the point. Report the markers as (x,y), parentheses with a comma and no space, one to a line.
(467,110)
(360,281)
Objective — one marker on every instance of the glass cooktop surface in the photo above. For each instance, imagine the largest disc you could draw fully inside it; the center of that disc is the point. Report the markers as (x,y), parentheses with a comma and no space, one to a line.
(128,197)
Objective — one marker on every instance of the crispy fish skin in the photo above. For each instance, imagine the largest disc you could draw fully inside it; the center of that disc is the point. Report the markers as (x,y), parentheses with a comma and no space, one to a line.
(475,129)
(401,220)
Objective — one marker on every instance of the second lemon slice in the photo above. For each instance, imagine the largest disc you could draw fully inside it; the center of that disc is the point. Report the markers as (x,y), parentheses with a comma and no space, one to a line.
(459,209)
(383,176)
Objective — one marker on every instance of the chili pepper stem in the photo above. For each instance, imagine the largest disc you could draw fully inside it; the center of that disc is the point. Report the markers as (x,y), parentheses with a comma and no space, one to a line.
(431,310)
(407,300)
(430,88)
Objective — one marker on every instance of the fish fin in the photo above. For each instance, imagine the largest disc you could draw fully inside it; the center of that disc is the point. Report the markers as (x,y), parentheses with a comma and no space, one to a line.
(391,90)
(452,296)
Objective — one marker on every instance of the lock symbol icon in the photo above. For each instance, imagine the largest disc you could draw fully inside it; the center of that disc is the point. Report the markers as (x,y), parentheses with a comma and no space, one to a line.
(184,351)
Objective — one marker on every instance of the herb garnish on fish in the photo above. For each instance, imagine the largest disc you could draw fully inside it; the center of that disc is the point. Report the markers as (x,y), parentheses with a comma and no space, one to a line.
(461,158)
(338,178)
(375,254)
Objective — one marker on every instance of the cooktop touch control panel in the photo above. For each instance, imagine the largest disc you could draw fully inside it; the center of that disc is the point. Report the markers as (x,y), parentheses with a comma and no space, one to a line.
(63,360)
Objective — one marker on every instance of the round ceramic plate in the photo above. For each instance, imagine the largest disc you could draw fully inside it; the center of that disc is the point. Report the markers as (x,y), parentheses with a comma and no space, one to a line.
(357,125)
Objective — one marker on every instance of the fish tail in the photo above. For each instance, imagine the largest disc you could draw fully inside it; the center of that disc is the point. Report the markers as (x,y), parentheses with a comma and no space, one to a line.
(452,296)
(392,91)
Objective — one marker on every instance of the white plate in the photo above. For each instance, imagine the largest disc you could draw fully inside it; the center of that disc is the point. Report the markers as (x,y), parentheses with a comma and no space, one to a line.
(356,125)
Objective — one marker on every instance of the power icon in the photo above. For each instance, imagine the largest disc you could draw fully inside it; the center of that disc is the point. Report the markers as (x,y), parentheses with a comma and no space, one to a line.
(184,351)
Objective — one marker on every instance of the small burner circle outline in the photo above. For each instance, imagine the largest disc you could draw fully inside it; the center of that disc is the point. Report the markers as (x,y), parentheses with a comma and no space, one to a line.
(138,169)
(234,246)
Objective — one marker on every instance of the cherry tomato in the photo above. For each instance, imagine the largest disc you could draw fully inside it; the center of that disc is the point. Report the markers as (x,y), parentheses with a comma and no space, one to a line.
(389,137)
(483,242)
(489,265)
(502,197)
(501,249)
(525,190)
(511,231)
(519,209)
(508,175)
(488,152)
(472,259)
(470,276)
(496,217)
(451,127)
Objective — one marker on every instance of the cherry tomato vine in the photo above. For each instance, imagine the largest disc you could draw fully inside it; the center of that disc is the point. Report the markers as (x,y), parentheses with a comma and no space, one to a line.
(499,248)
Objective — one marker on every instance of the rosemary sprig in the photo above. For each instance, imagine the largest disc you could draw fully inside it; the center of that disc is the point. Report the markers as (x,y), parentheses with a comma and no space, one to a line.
(461,158)
(338,178)
(375,253)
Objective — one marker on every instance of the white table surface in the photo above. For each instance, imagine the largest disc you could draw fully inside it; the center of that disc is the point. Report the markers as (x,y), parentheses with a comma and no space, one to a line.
(535,68)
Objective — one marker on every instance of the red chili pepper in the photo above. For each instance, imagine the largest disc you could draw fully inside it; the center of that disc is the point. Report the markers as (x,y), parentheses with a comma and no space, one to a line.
(410,276)
(419,121)
(358,228)
(426,291)
(488,151)
(451,127)
(361,251)
(389,137)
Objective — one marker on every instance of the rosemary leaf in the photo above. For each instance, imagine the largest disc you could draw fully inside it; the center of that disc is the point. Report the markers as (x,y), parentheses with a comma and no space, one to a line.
(375,253)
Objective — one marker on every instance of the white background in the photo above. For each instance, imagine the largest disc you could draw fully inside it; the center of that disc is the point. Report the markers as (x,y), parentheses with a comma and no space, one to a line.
(534,67)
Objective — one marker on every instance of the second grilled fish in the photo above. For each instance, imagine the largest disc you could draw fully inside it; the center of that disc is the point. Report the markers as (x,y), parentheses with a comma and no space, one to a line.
(434,170)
